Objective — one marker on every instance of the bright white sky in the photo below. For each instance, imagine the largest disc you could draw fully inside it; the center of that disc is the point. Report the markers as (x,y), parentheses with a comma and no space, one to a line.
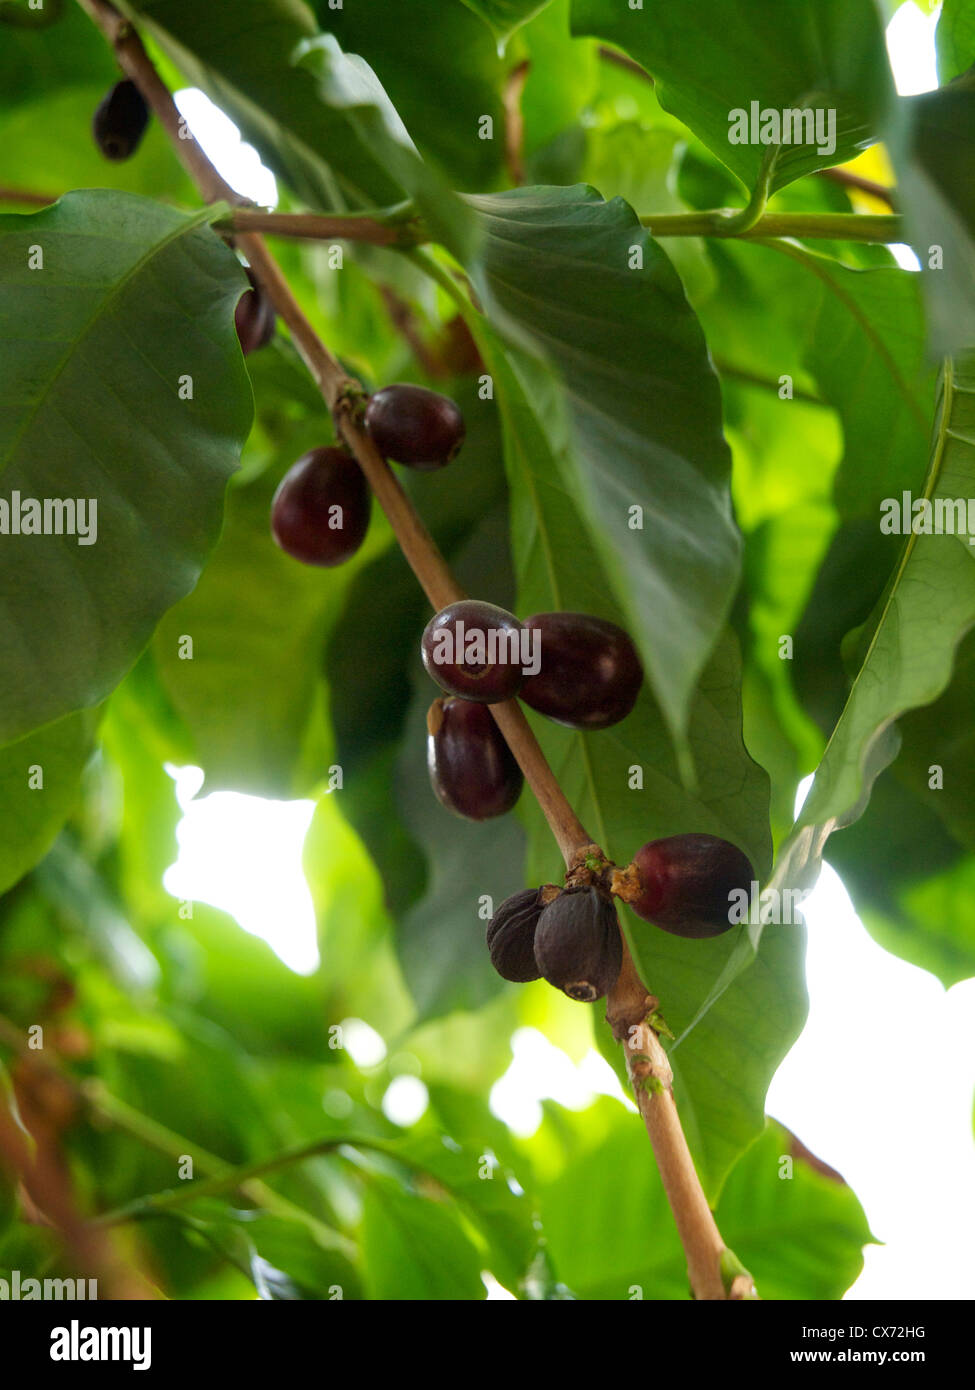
(881,1082)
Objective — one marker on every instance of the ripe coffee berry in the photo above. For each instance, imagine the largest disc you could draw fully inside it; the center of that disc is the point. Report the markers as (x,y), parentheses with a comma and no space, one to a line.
(511,936)
(120,121)
(320,512)
(254,317)
(577,944)
(474,650)
(590,673)
(685,883)
(472,769)
(414,426)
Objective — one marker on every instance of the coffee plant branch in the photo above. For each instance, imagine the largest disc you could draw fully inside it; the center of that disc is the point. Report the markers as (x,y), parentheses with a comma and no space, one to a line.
(715,222)
(629,1005)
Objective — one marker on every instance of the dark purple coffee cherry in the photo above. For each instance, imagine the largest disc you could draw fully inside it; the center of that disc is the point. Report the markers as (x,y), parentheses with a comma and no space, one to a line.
(320,512)
(590,673)
(254,317)
(473,649)
(577,944)
(120,121)
(511,936)
(414,426)
(685,883)
(472,769)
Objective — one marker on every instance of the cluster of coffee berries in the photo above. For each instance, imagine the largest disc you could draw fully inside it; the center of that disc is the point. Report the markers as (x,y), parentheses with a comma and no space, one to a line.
(580,671)
(320,512)
(571,937)
(120,121)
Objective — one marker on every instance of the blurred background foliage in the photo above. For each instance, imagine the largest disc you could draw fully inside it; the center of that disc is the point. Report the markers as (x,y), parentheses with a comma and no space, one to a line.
(171,1032)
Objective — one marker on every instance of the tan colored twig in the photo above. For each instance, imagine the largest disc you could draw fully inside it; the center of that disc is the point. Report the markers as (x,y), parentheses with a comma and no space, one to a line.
(315,227)
(514,121)
(695,1224)
(27,197)
(848,179)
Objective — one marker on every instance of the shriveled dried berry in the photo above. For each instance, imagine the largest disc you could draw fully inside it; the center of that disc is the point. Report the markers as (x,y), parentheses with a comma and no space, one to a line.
(577,944)
(686,882)
(120,121)
(511,936)
(472,769)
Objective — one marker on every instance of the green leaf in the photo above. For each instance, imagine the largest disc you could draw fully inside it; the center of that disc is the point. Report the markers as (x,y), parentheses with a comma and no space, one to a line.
(933,149)
(137,300)
(859,333)
(628,161)
(281,1257)
(243,57)
(927,608)
(450,63)
(639,421)
(39,784)
(39,61)
(560,84)
(347,84)
(910,883)
(486,1189)
(713,58)
(503,17)
(799,1237)
(941,736)
(955,38)
(414,1248)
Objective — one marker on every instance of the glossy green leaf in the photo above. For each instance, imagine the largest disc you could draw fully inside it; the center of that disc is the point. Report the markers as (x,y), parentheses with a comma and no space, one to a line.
(137,302)
(717,57)
(639,421)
